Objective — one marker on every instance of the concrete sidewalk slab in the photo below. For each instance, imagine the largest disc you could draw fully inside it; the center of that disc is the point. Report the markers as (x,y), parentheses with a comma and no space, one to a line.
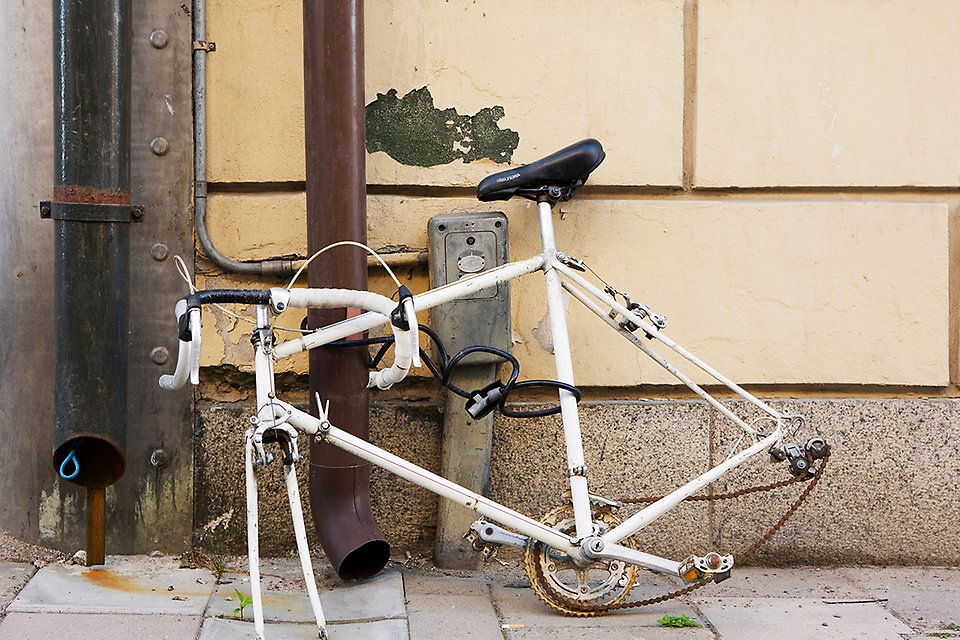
(599,631)
(442,607)
(130,584)
(220,629)
(13,577)
(527,618)
(44,626)
(799,619)
(806,582)
(380,597)
(925,598)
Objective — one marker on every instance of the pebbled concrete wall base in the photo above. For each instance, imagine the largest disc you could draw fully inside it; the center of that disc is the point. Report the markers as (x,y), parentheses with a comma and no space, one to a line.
(888,495)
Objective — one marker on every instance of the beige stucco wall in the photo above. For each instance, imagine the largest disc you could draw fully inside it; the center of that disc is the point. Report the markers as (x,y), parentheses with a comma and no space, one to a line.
(782,181)
(772,291)
(814,92)
(559,79)
(834,287)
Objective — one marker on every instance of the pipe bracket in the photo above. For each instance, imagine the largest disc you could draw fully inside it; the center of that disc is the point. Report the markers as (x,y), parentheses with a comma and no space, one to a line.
(91,212)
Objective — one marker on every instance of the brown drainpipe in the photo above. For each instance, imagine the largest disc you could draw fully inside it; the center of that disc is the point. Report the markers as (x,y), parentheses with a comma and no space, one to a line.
(336,210)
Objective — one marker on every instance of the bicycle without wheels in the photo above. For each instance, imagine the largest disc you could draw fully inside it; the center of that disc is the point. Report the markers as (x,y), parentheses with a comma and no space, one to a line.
(579,557)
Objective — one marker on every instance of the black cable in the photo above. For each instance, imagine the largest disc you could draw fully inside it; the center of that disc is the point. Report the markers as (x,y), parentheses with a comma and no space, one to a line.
(455,361)
(537,413)
(443,370)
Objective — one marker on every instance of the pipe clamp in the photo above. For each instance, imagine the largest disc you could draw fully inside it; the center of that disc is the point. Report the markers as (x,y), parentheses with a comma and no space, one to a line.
(91,212)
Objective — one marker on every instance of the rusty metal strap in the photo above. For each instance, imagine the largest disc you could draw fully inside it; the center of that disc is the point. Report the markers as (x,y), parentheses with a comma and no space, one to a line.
(91,212)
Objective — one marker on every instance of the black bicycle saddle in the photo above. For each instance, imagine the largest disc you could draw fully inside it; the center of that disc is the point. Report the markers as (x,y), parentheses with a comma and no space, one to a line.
(565,170)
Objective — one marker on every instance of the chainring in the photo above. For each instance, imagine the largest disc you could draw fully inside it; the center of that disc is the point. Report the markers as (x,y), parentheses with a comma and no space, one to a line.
(601,599)
(568,588)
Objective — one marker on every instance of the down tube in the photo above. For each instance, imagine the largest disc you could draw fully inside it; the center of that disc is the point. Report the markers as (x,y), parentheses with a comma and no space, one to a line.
(428,480)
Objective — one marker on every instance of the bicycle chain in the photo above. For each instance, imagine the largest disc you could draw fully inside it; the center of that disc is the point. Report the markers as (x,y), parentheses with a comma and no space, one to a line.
(574,608)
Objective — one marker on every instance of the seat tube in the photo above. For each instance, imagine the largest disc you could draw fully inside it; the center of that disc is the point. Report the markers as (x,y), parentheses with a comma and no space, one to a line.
(576,468)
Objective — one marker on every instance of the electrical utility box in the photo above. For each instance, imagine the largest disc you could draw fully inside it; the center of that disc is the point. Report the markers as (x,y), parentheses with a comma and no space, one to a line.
(463,245)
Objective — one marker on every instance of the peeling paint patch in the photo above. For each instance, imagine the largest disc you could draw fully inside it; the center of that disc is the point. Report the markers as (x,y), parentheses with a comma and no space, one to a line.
(543,335)
(543,332)
(412,131)
(223,520)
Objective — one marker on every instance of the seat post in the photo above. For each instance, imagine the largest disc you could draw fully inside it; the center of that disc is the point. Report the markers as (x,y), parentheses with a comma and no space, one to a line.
(576,467)
(547,239)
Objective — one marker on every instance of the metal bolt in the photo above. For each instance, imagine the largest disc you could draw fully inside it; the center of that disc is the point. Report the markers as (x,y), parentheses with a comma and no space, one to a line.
(159,146)
(159,251)
(159,355)
(159,458)
(159,39)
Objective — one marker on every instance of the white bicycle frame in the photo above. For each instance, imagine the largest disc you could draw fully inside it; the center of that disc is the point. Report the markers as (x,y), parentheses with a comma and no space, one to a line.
(585,545)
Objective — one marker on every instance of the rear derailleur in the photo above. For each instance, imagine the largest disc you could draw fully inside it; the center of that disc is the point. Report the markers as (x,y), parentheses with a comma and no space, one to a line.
(801,458)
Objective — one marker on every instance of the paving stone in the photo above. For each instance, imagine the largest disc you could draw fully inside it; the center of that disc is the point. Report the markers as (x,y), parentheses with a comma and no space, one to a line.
(800,582)
(521,606)
(13,576)
(925,598)
(220,629)
(380,597)
(806,619)
(43,626)
(131,584)
(450,607)
(912,578)
(592,633)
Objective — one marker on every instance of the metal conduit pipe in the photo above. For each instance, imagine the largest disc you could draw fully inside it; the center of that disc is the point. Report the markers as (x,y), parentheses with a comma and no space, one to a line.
(201,48)
(266,268)
(336,210)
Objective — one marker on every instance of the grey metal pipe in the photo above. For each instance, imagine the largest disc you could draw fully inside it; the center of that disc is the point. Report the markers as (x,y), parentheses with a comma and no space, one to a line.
(92,213)
(266,268)
(336,210)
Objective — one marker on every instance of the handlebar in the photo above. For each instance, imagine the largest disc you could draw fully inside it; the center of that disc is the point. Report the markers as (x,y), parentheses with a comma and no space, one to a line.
(188,356)
(401,317)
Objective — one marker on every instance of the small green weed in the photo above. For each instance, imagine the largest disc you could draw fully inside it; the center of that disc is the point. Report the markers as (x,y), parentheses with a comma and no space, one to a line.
(244,601)
(940,634)
(677,621)
(219,567)
(951,627)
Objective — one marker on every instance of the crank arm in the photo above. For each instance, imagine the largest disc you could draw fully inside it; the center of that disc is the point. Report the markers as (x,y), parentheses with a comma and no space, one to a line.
(595,548)
(495,534)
